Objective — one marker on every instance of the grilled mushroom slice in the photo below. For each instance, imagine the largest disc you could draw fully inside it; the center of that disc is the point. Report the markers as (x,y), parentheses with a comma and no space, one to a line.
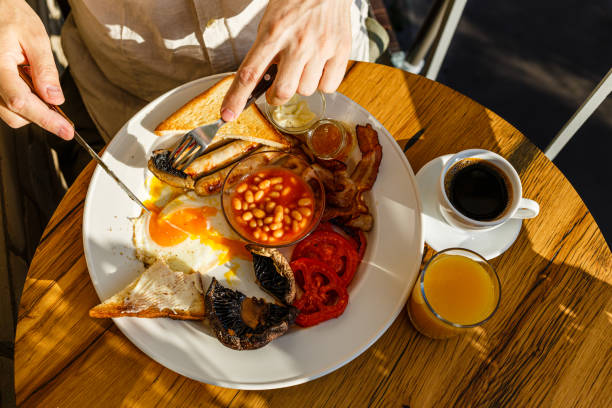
(273,273)
(244,323)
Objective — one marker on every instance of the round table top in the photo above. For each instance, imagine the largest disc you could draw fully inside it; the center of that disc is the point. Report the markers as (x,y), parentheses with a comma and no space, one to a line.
(548,345)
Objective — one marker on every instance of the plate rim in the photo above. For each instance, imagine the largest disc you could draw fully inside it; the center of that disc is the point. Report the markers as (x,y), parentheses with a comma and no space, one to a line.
(274,384)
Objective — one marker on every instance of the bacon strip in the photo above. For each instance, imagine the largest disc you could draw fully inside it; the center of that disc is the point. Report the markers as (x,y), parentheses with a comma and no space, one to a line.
(345,190)
(367,170)
(367,138)
(346,201)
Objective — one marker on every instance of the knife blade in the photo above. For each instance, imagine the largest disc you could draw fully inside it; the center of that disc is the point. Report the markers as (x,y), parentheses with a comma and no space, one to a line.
(25,76)
(98,160)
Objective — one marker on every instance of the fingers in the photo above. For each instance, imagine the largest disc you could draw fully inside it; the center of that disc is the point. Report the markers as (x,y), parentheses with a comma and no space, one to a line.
(23,39)
(250,72)
(333,73)
(13,120)
(311,77)
(37,50)
(20,101)
(285,85)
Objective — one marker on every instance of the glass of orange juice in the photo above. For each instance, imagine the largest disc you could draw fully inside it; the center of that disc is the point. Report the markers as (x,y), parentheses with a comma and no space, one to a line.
(457,290)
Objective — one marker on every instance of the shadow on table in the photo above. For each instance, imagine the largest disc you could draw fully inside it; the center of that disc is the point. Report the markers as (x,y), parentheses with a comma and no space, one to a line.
(552,312)
(545,293)
(100,344)
(530,351)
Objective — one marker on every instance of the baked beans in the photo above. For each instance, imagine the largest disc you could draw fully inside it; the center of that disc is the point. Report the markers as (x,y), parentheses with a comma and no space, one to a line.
(272,206)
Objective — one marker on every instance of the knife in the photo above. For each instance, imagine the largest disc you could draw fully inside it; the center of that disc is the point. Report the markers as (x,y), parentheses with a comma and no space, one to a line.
(23,73)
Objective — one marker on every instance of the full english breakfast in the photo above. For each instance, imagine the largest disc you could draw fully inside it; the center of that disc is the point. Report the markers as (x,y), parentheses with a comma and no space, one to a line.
(251,193)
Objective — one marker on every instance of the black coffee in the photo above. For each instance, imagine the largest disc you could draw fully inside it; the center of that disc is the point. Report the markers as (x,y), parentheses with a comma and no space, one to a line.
(478,189)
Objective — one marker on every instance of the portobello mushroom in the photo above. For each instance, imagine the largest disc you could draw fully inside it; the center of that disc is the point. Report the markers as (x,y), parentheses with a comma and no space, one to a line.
(244,323)
(273,273)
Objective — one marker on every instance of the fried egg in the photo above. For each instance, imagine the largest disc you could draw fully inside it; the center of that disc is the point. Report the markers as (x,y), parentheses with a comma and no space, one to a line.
(160,193)
(189,233)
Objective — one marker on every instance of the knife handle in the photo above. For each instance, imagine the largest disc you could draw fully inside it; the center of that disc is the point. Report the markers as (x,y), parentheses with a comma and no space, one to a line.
(24,73)
(264,84)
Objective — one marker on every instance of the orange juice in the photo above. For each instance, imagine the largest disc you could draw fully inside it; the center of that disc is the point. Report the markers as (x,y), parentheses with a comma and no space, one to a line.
(460,290)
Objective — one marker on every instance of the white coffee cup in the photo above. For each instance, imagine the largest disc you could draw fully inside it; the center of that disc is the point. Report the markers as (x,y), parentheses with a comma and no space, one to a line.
(518,207)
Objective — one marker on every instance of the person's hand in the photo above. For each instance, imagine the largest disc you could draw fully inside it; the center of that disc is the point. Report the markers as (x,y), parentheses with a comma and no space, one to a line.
(23,40)
(310,40)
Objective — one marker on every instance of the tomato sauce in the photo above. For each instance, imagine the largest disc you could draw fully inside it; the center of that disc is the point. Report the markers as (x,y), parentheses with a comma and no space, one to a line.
(272,206)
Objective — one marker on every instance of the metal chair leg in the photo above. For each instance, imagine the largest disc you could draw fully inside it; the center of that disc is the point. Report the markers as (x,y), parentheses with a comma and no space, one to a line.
(452,14)
(434,38)
(427,34)
(591,103)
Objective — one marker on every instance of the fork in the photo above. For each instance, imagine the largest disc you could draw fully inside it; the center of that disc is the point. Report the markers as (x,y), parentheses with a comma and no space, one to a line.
(195,142)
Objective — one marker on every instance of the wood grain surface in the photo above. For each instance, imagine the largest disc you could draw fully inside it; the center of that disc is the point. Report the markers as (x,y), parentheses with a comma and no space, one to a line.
(549,344)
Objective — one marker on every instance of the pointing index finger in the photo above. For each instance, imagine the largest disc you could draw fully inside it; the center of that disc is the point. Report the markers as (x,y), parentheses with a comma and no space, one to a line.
(249,74)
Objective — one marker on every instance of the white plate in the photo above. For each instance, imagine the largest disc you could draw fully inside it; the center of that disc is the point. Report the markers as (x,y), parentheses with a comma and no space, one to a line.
(377,294)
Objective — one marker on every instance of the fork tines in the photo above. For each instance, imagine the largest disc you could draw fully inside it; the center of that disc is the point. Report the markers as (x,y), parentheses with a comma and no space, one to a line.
(185,153)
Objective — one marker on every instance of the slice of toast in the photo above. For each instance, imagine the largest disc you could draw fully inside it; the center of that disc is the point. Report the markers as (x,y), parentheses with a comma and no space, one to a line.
(205,108)
(157,292)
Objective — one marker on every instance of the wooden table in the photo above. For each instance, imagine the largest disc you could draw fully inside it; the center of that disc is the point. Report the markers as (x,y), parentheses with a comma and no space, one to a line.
(550,343)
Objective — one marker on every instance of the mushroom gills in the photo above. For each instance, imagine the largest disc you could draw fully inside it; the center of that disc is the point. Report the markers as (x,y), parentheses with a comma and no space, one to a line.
(273,273)
(244,323)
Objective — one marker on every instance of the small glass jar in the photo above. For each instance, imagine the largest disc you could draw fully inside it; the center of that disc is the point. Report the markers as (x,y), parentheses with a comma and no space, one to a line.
(328,139)
(284,117)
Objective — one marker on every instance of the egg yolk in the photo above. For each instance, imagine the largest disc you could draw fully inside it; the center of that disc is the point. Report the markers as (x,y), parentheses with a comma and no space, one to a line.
(192,223)
(156,191)
(230,275)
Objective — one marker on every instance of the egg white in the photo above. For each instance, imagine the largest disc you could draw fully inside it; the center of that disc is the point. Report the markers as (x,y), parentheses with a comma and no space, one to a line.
(160,193)
(194,255)
(190,255)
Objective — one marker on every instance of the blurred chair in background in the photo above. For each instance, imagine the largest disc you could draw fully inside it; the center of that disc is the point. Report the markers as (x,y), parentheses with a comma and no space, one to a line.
(429,48)
(592,102)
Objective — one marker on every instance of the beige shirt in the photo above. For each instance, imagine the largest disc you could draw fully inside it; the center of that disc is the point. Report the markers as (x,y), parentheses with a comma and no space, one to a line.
(125,53)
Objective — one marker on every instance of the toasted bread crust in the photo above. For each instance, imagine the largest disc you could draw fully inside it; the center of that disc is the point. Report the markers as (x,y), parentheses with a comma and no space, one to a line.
(103,311)
(205,108)
(157,292)
(199,109)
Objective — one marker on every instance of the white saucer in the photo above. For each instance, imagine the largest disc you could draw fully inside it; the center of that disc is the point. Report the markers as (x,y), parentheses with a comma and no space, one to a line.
(440,235)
